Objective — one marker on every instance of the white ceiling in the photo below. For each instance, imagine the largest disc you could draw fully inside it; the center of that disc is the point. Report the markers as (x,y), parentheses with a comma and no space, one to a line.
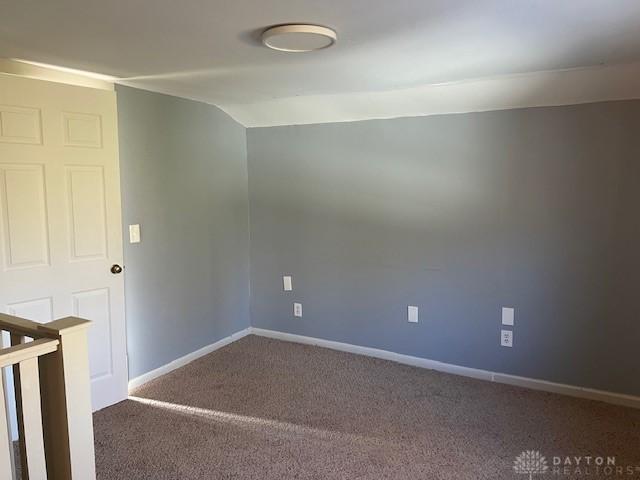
(209,50)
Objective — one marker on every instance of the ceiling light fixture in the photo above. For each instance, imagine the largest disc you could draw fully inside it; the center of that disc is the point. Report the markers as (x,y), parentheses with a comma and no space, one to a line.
(298,38)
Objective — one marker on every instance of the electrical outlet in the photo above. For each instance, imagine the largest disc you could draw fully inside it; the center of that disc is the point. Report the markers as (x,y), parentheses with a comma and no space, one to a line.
(286,282)
(506,338)
(508,314)
(412,314)
(297,310)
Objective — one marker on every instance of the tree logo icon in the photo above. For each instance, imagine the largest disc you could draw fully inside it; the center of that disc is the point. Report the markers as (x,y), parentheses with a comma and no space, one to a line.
(530,462)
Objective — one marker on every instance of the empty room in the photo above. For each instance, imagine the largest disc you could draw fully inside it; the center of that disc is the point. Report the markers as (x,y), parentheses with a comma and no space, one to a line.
(340,239)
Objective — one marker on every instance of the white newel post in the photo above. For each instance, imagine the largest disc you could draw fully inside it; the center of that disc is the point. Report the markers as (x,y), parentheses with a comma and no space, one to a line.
(66,398)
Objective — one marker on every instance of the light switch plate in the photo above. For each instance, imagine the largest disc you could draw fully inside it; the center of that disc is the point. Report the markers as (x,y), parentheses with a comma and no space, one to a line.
(506,338)
(297,310)
(412,314)
(134,233)
(508,314)
(286,281)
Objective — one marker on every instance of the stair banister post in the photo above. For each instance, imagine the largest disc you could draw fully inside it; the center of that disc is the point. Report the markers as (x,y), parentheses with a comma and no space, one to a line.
(66,402)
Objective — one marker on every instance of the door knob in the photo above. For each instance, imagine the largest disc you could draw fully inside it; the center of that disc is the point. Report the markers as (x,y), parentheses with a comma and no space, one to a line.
(115,269)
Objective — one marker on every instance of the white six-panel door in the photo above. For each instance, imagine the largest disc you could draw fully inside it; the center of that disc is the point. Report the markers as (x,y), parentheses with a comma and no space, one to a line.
(60,227)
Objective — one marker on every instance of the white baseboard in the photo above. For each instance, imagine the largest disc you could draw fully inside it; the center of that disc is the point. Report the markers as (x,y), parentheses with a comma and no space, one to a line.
(532,383)
(180,362)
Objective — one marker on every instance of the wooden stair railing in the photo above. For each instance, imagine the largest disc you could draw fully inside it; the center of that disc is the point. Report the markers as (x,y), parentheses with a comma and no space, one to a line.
(53,400)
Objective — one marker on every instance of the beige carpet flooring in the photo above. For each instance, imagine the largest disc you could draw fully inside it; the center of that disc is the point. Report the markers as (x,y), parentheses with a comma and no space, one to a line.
(265,409)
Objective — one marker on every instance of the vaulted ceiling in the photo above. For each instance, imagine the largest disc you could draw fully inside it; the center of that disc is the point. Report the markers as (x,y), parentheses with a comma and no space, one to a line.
(209,49)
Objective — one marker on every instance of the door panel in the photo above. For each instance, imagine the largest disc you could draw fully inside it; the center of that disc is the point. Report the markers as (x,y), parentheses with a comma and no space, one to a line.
(82,130)
(38,310)
(95,304)
(20,124)
(86,212)
(26,242)
(60,217)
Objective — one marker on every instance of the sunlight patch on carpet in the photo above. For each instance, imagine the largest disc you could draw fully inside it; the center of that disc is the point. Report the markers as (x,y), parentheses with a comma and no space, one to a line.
(256,422)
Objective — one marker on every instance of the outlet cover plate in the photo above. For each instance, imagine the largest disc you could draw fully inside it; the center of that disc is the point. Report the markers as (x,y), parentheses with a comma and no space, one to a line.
(506,338)
(134,233)
(412,314)
(508,314)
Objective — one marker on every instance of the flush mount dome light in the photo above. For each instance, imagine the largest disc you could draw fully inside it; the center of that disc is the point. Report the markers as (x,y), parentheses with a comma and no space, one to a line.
(298,38)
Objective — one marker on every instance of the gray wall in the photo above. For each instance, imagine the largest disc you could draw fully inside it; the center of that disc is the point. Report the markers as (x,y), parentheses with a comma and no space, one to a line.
(184,180)
(459,214)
